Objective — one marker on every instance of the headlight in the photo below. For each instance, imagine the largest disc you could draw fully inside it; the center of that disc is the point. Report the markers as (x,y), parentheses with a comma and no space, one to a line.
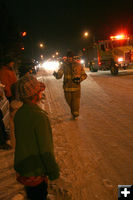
(120,59)
(51,65)
(82,61)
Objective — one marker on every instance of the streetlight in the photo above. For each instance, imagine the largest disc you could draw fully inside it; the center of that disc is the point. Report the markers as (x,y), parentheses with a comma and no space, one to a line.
(22,48)
(41,45)
(23,34)
(41,56)
(86,34)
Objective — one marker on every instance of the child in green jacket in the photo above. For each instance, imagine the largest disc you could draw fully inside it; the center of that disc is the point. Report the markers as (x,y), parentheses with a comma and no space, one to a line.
(34,153)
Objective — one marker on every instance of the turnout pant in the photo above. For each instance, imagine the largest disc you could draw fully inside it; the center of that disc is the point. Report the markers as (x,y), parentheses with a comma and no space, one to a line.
(73,100)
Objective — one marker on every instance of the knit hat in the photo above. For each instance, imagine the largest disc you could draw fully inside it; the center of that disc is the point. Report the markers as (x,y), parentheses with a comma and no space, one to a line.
(28,86)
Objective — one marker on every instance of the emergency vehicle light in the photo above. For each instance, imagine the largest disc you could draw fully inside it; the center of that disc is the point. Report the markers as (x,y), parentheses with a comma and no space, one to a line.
(120,59)
(118,37)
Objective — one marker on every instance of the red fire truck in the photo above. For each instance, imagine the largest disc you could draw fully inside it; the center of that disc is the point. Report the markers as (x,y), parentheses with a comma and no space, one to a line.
(113,54)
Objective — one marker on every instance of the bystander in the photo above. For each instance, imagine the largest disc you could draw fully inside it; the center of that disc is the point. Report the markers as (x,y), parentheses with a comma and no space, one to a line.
(34,153)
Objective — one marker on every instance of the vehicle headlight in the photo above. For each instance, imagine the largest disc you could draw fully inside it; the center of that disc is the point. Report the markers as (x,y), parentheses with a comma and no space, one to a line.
(120,59)
(82,61)
(51,65)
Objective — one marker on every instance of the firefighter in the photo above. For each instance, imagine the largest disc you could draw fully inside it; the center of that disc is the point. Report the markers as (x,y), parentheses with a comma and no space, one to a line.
(74,74)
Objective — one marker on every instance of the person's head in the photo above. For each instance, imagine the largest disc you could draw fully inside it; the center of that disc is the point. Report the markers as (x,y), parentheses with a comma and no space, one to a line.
(70,56)
(8,61)
(30,89)
(24,70)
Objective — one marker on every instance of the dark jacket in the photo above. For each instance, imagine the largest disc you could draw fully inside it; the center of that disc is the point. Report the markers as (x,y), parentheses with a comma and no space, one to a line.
(34,155)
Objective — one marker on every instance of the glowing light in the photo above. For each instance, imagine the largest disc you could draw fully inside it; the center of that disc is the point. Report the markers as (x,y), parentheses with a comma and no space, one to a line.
(64,58)
(119,37)
(86,34)
(120,59)
(51,65)
(82,61)
(39,66)
(23,34)
(41,45)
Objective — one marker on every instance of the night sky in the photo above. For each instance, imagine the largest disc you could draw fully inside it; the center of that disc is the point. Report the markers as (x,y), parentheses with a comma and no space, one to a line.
(61,24)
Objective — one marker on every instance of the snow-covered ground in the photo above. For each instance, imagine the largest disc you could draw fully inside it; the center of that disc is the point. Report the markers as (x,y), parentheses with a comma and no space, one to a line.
(95,152)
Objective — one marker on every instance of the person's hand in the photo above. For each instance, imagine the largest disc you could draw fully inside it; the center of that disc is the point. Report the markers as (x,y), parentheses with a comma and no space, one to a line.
(54,73)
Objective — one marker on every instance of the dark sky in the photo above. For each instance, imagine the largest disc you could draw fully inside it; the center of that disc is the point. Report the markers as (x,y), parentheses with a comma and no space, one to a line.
(60,24)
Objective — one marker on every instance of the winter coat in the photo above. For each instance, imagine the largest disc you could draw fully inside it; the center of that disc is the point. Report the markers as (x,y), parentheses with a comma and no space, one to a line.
(34,155)
(71,71)
(7,78)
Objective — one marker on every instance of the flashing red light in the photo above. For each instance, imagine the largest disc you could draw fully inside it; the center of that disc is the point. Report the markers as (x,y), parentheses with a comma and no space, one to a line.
(22,48)
(83,49)
(119,37)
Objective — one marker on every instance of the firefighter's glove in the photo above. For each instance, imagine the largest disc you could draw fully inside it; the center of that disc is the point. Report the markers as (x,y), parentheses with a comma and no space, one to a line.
(76,80)
(55,74)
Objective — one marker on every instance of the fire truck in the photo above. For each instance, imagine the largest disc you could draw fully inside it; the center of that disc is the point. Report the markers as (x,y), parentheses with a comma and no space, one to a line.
(113,54)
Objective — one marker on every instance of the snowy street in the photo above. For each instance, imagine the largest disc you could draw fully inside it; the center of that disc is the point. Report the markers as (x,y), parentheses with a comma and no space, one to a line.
(95,152)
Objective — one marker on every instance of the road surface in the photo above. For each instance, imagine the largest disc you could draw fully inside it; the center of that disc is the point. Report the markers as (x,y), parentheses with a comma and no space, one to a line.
(95,153)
